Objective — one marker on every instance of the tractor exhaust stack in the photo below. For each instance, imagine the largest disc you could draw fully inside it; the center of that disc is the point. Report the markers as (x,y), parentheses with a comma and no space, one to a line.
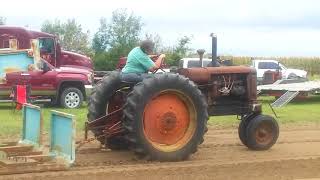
(214,51)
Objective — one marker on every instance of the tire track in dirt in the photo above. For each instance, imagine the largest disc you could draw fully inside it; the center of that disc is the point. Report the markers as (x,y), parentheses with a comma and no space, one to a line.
(274,169)
(224,146)
(216,153)
(296,155)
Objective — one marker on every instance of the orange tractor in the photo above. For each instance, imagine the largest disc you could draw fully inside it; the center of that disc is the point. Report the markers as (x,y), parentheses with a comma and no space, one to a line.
(164,117)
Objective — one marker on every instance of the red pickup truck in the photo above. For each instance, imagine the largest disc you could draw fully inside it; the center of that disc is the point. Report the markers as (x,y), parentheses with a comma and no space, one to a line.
(50,49)
(67,86)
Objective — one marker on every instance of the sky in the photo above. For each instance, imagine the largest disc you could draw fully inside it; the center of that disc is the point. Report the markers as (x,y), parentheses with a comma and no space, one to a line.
(243,27)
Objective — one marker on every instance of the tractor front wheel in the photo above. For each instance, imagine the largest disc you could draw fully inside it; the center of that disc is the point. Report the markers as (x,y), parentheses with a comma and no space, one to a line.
(262,132)
(242,131)
(166,117)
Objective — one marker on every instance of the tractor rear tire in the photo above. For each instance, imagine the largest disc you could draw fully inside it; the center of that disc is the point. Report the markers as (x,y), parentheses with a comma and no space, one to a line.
(97,106)
(117,143)
(166,117)
(262,132)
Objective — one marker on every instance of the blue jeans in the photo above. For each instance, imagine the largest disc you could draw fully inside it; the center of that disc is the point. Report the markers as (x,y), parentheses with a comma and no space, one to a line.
(133,77)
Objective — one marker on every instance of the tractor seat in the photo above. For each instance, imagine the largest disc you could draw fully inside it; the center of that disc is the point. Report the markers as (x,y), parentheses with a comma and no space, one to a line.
(132,79)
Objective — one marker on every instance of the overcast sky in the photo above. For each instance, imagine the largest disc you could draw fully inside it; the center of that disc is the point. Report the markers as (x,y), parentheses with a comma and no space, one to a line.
(243,27)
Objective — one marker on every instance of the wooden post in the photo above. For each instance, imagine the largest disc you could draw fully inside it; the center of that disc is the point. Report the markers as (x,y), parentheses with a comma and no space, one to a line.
(36,52)
(13,44)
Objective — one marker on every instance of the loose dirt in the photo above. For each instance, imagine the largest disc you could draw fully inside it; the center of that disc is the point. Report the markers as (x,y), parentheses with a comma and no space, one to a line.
(295,156)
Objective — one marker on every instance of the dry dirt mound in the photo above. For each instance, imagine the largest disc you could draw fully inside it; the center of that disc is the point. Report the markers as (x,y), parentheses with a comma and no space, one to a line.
(295,156)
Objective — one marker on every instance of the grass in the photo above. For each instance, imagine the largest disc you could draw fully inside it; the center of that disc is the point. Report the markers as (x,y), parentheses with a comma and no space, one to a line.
(11,120)
(314,77)
(298,112)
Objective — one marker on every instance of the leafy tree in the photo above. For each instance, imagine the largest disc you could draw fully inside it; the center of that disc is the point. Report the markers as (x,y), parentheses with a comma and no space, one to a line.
(71,35)
(2,20)
(157,41)
(182,47)
(179,51)
(116,38)
(124,30)
(101,38)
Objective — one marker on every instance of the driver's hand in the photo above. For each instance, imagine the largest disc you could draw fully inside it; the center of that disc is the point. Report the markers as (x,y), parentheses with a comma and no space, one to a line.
(153,56)
(162,56)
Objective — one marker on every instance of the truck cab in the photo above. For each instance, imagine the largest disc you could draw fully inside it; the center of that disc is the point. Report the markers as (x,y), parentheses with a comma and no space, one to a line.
(50,48)
(67,86)
(262,66)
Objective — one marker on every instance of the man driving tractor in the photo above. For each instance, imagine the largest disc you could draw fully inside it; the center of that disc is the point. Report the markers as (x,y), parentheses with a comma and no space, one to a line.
(139,62)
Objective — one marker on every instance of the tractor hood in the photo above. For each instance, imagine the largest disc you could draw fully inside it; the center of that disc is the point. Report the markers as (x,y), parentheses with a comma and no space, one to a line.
(203,75)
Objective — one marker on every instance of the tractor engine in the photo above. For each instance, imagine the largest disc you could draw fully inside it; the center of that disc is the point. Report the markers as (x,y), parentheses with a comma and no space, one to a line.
(229,90)
(233,85)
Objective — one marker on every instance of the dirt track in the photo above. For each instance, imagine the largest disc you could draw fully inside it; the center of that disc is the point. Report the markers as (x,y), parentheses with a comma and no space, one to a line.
(295,156)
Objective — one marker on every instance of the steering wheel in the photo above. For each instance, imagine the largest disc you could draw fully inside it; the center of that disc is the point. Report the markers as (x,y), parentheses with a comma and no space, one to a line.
(160,68)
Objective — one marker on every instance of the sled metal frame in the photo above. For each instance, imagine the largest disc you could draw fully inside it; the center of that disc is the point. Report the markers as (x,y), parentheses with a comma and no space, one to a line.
(105,123)
(284,88)
(29,154)
(63,134)
(32,128)
(109,128)
(308,86)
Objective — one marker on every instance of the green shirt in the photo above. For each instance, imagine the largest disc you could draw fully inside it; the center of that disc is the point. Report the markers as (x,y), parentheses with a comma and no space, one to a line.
(138,62)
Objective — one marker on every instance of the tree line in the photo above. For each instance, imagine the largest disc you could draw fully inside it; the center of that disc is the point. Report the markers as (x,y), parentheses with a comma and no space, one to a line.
(114,39)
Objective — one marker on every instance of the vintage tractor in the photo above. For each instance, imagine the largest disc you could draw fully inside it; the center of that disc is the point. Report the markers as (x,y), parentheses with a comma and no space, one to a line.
(164,117)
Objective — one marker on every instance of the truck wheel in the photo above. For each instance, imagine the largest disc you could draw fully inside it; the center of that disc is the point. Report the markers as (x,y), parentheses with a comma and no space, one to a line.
(293,76)
(71,98)
(262,132)
(166,117)
(98,106)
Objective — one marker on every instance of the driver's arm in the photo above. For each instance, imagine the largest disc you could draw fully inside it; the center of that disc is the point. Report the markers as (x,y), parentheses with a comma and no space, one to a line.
(157,63)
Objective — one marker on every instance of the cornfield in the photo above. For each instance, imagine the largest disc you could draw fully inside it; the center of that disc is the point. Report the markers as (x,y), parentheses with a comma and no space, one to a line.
(310,64)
